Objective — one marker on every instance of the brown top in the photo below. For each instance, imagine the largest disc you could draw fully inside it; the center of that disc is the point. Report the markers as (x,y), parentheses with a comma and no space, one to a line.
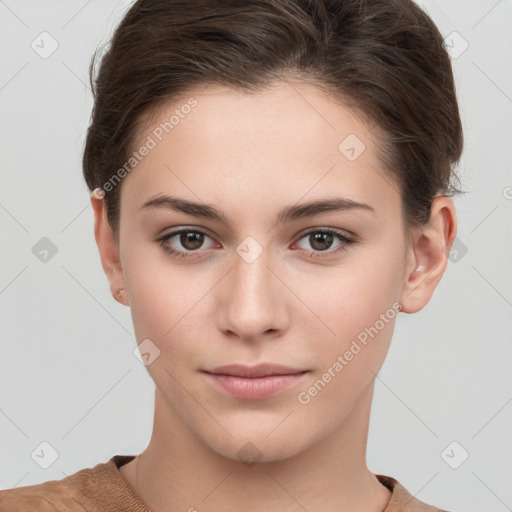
(103,489)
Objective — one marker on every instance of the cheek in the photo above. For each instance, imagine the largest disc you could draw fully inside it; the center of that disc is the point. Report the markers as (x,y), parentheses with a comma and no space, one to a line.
(362,315)
(164,308)
(160,291)
(360,305)
(340,301)
(171,305)
(353,297)
(159,296)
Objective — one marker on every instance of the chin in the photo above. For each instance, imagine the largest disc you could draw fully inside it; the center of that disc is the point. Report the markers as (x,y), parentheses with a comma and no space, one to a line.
(251,447)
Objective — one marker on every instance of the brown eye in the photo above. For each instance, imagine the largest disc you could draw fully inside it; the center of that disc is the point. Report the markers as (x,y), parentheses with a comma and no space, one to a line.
(191,240)
(321,240)
(183,243)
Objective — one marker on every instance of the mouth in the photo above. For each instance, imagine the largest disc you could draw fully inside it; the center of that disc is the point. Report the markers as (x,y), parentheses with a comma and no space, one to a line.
(260,370)
(254,382)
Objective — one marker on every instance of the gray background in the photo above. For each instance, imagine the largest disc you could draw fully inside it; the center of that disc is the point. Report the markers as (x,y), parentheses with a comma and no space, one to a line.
(68,374)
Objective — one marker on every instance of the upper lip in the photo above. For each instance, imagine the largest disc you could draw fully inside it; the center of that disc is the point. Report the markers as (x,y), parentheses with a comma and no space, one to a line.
(260,370)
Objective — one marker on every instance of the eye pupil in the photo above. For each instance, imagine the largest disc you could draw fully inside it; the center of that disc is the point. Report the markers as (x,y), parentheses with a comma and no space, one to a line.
(191,240)
(325,240)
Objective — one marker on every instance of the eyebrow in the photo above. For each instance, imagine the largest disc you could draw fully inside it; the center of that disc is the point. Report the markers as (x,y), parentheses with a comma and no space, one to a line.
(287,214)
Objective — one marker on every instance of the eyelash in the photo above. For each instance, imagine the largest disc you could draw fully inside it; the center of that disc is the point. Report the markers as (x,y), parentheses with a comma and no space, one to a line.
(344,239)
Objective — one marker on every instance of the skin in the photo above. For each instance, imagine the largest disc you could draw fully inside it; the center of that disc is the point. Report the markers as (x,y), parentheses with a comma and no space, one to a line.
(250,156)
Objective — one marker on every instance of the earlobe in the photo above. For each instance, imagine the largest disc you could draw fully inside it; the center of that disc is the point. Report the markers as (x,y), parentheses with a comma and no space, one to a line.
(428,255)
(108,249)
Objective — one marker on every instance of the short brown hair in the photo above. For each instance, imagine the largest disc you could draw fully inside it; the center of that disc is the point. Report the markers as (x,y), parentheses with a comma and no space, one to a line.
(384,58)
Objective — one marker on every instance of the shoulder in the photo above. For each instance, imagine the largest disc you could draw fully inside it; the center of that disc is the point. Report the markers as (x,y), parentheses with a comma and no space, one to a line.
(402,500)
(89,489)
(70,494)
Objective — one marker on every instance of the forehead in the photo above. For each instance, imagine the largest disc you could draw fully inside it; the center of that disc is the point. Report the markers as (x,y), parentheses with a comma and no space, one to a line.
(289,140)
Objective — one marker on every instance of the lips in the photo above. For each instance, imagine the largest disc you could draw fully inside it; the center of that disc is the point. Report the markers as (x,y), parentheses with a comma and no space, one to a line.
(258,382)
(260,370)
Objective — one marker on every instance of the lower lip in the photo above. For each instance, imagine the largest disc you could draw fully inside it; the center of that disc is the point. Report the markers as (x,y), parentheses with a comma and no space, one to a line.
(254,388)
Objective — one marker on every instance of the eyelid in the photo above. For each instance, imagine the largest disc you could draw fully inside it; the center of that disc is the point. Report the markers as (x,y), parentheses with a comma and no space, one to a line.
(298,236)
(327,229)
(184,229)
(344,239)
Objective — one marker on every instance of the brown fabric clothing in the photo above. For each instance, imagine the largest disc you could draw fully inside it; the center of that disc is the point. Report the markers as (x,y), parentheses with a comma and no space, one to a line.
(103,489)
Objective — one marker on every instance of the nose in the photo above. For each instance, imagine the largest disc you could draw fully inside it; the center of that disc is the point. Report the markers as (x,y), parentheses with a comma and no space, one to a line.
(253,301)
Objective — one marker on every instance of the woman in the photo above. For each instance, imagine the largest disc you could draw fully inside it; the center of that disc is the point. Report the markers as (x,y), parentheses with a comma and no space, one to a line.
(271,187)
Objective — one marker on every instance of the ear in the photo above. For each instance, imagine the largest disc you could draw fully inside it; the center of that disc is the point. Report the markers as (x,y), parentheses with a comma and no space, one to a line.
(109,251)
(428,255)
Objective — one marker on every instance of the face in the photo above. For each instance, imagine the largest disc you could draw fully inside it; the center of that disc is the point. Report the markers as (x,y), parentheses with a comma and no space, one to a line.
(252,274)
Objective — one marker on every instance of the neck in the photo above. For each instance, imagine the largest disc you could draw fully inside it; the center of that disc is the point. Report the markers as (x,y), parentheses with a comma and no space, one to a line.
(179,472)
